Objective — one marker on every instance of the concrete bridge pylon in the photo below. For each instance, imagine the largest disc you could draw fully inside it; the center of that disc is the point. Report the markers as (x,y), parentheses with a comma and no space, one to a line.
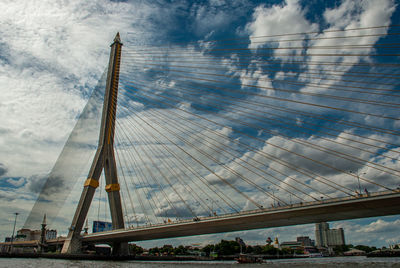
(104,159)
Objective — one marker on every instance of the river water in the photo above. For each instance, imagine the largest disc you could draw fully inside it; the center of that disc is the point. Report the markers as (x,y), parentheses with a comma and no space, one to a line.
(309,263)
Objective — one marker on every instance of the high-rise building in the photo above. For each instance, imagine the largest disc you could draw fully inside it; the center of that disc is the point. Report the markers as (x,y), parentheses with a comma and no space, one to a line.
(326,237)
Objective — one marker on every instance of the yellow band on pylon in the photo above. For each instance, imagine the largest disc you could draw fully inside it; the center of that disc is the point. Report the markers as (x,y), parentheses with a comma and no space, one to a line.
(91,182)
(112,187)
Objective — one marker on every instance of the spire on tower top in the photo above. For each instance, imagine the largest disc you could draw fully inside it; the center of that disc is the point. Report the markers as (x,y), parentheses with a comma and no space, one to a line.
(117,38)
(44,219)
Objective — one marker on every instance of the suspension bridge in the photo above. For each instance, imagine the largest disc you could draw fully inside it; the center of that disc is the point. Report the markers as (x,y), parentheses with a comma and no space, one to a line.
(238,134)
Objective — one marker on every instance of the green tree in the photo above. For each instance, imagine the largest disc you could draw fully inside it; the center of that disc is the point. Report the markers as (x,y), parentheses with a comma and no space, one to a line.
(286,251)
(181,250)
(367,249)
(257,249)
(135,249)
(249,249)
(208,249)
(167,250)
(299,251)
(154,251)
(342,248)
(226,247)
(269,250)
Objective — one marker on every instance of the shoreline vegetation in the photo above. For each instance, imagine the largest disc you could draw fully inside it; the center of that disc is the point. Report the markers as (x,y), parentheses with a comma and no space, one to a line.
(386,253)
(223,251)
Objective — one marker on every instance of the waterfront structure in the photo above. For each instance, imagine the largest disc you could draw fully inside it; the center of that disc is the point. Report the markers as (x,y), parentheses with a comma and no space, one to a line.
(354,252)
(27,235)
(305,241)
(326,237)
(295,245)
(30,235)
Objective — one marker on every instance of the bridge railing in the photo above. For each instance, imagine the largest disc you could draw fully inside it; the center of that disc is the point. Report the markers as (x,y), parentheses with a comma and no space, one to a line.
(257,211)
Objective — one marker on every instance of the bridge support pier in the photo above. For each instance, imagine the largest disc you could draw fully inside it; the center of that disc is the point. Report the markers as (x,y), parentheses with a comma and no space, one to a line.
(103,160)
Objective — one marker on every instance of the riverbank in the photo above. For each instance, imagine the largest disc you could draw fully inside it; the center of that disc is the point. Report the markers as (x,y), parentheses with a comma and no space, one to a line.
(384,253)
(104,257)
(140,257)
(175,258)
(325,262)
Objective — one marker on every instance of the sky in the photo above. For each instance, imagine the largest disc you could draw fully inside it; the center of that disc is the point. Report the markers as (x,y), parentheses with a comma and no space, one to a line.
(53,55)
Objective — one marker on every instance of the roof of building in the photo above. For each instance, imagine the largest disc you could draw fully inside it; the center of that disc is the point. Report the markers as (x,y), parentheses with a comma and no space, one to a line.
(354,250)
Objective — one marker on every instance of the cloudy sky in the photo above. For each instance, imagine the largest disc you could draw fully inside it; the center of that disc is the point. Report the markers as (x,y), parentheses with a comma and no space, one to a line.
(210,95)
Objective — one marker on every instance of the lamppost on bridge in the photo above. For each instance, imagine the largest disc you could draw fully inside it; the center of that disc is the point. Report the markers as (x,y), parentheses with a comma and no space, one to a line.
(128,219)
(12,237)
(212,206)
(358,178)
(273,194)
(134,220)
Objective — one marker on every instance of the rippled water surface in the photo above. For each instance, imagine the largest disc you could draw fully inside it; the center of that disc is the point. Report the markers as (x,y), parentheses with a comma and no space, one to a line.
(315,262)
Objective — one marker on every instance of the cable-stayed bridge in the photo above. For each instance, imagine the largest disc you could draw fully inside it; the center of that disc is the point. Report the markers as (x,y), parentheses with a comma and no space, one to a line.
(238,134)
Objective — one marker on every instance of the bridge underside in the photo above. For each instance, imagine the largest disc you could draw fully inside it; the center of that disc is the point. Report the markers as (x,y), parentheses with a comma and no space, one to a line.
(333,210)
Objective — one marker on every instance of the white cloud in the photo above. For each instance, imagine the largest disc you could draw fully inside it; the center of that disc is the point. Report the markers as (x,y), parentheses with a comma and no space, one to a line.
(285,18)
(377,231)
(350,15)
(215,16)
(16,182)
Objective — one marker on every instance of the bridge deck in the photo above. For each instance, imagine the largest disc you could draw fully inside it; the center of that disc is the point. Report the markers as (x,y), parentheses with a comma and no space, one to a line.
(377,204)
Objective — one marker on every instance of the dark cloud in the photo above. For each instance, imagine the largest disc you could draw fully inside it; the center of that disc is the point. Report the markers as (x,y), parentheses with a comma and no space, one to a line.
(177,212)
(7,197)
(47,185)
(3,169)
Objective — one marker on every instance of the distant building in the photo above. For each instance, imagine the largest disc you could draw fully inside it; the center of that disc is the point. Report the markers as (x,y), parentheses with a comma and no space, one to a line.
(354,252)
(28,235)
(306,241)
(292,245)
(51,234)
(23,235)
(241,243)
(328,238)
(312,251)
(276,243)
(101,226)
